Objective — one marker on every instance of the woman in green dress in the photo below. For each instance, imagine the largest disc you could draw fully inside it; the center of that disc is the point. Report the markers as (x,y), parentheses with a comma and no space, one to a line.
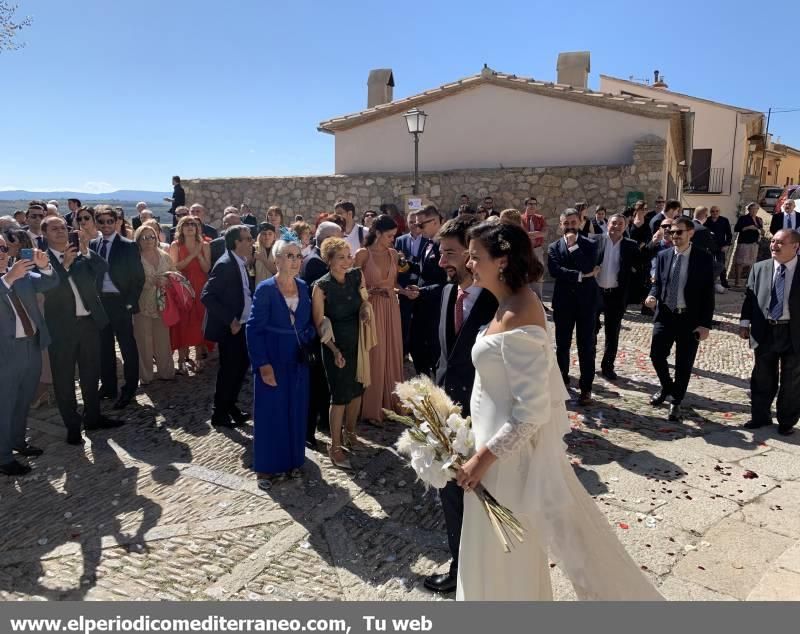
(337,297)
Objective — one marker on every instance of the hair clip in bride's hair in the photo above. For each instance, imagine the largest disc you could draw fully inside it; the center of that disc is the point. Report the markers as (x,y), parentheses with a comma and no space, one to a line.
(289,236)
(504,245)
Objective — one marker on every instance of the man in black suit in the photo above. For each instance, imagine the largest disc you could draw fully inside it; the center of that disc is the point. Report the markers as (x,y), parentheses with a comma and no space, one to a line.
(787,218)
(227,297)
(424,344)
(671,211)
(463,310)
(75,316)
(23,336)
(248,218)
(720,226)
(682,296)
(217,246)
(771,299)
(178,198)
(572,263)
(120,287)
(198,211)
(412,246)
(74,204)
(618,256)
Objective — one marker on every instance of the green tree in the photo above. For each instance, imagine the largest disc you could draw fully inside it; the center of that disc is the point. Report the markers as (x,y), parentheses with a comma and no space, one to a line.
(10,27)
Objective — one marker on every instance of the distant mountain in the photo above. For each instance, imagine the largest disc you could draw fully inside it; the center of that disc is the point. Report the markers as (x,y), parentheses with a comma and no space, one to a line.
(127,195)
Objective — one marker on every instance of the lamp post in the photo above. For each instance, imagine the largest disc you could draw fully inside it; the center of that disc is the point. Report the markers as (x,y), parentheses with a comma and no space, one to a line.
(415,120)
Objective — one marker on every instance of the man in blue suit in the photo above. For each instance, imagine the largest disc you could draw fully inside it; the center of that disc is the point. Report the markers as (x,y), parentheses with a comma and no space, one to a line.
(412,246)
(23,336)
(227,297)
(573,264)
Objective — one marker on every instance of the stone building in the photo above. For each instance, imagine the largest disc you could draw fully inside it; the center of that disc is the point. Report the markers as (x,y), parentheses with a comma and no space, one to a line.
(491,133)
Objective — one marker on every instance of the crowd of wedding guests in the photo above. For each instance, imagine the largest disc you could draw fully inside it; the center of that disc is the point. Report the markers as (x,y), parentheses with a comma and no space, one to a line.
(326,314)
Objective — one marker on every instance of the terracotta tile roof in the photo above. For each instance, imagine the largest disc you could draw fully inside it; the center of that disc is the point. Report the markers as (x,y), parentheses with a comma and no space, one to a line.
(641,106)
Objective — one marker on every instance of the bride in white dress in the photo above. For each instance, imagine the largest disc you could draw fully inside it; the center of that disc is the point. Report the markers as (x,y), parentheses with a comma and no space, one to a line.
(519,418)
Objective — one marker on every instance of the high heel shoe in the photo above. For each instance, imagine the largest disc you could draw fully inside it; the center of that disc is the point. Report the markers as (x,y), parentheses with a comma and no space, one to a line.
(350,440)
(42,399)
(342,463)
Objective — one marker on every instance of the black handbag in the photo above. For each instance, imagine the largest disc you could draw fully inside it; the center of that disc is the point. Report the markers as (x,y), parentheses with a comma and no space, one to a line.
(306,354)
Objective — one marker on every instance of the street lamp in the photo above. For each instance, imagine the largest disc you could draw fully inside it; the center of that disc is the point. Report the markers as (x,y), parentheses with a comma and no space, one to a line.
(415,120)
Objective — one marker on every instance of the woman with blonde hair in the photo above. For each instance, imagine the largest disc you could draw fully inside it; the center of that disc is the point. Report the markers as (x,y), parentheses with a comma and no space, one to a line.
(152,336)
(336,303)
(192,257)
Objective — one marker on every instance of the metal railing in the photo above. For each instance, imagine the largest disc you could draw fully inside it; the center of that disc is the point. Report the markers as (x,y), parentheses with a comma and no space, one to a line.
(709,182)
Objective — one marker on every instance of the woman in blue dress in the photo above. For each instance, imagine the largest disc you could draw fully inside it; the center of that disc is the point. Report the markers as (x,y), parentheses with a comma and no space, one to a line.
(279,322)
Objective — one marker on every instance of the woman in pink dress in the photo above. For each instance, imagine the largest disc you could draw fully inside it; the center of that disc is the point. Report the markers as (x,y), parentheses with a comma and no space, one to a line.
(192,257)
(378,261)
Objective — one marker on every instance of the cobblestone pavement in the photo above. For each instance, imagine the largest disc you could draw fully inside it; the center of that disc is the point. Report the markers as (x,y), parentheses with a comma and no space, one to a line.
(167,508)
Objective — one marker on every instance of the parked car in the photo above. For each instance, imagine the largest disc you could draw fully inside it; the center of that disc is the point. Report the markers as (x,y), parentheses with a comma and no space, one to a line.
(768,196)
(792,192)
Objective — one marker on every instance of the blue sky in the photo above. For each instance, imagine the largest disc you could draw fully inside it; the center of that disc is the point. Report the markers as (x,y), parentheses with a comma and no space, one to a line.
(123,94)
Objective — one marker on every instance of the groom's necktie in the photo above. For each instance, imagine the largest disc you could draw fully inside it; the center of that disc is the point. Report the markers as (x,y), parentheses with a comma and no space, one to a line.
(674,283)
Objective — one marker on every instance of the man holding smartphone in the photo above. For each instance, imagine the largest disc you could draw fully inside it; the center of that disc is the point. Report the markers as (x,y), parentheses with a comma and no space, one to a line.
(683,299)
(23,336)
(75,316)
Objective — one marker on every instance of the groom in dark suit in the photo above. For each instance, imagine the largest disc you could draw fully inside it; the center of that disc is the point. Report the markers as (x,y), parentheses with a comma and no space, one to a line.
(771,300)
(119,287)
(23,336)
(463,311)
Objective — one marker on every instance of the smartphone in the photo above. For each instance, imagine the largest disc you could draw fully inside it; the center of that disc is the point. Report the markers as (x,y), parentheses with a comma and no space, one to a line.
(26,254)
(75,239)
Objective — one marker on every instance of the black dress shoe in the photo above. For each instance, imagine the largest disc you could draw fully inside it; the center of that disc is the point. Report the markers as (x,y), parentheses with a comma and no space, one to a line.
(658,398)
(107,395)
(585,398)
(675,413)
(609,374)
(104,423)
(440,583)
(122,402)
(29,450)
(785,431)
(239,417)
(754,424)
(219,421)
(14,468)
(75,438)
(312,444)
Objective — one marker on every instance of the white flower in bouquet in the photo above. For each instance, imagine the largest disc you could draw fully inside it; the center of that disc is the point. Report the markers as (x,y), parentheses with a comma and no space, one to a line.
(464,441)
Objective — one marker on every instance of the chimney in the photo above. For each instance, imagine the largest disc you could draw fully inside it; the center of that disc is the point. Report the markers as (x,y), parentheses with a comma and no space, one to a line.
(658,80)
(380,87)
(573,69)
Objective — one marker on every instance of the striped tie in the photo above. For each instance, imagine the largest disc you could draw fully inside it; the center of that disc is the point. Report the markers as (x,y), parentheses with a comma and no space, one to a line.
(776,297)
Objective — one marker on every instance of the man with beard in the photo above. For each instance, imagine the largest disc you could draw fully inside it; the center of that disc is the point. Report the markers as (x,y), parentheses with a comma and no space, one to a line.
(464,310)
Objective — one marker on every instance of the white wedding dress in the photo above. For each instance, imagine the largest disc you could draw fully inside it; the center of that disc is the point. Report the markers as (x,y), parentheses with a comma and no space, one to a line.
(518,411)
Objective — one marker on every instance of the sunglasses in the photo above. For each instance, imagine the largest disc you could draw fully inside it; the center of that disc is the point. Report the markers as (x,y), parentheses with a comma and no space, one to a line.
(665,226)
(107,221)
(148,238)
(40,216)
(424,222)
(676,232)
(84,218)
(191,224)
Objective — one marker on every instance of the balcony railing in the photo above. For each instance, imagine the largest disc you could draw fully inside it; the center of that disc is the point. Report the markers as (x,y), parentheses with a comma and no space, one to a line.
(708,182)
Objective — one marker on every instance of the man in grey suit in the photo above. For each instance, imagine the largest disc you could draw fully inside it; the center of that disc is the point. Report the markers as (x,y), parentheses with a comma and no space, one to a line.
(771,321)
(23,336)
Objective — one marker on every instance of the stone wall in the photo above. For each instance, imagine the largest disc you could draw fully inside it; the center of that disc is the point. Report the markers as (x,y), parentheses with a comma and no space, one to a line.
(555,187)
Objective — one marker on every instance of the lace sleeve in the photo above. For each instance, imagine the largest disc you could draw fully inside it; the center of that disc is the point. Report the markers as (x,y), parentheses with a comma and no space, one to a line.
(527,371)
